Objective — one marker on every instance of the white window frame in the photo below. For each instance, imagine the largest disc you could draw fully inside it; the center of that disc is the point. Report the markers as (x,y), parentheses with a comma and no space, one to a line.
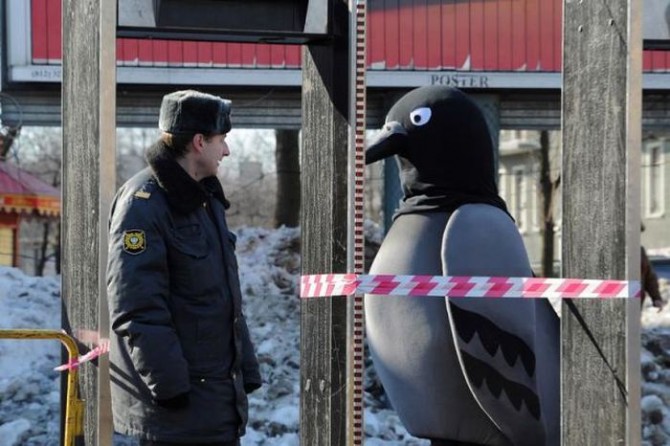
(659,167)
(502,183)
(519,197)
(535,211)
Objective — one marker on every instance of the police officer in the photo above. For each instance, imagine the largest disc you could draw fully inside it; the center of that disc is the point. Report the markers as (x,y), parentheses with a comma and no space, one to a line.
(181,359)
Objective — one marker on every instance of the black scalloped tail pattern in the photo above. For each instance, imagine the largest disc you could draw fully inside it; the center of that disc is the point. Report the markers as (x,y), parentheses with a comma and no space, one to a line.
(478,371)
(492,338)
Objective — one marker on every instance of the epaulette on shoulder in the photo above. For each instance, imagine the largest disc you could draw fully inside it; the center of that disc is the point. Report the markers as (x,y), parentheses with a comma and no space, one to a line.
(142,194)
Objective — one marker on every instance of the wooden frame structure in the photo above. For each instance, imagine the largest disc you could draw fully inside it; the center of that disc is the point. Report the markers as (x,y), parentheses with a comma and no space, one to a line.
(602,50)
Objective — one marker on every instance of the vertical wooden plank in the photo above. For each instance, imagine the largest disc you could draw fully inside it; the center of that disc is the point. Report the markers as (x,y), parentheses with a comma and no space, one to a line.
(547,43)
(219,54)
(54,35)
(175,53)
(406,33)
(463,46)
(519,56)
(278,56)
(234,51)
(434,42)
(190,53)
(160,51)
(119,51)
(532,15)
(392,34)
(647,61)
(601,114)
(263,56)
(505,30)
(448,35)
(659,60)
(89,135)
(107,188)
(476,21)
(131,52)
(145,52)
(38,31)
(418,36)
(248,55)
(491,36)
(323,333)
(205,54)
(376,27)
(557,38)
(293,56)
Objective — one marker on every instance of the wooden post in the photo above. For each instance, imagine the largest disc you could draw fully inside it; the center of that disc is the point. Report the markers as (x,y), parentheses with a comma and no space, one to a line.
(601,115)
(323,329)
(89,140)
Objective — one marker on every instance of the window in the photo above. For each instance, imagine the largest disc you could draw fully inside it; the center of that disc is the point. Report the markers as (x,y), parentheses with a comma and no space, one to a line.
(518,195)
(502,183)
(653,168)
(535,207)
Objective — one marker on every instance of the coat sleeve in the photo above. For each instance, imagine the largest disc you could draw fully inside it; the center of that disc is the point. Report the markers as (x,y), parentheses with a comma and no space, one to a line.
(250,368)
(138,287)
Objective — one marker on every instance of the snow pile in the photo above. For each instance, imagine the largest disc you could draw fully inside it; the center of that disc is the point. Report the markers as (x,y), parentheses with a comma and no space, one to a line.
(29,388)
(269,267)
(655,360)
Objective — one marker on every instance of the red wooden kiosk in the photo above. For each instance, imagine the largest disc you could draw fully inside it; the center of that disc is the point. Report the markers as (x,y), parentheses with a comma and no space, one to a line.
(22,195)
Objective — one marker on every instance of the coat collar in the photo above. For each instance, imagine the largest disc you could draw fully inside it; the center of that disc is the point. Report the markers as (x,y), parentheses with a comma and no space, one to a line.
(182,191)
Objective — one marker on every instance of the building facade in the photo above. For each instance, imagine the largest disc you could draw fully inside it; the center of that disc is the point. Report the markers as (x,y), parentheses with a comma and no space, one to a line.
(519,184)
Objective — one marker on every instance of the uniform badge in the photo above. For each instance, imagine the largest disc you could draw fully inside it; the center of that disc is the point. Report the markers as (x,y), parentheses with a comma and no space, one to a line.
(142,194)
(134,241)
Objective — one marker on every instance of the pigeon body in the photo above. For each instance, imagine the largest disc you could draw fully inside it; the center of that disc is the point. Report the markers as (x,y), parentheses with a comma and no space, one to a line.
(479,371)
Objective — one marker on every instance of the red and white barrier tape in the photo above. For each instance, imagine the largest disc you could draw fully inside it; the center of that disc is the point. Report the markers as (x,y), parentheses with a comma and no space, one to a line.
(74,363)
(323,285)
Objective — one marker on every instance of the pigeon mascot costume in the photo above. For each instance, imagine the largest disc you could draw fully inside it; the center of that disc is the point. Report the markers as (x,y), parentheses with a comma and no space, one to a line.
(458,371)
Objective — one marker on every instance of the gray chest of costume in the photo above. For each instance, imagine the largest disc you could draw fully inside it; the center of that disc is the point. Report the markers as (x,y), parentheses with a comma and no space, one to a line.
(441,361)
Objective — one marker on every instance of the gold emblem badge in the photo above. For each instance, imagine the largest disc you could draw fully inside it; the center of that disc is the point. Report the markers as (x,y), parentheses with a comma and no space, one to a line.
(134,241)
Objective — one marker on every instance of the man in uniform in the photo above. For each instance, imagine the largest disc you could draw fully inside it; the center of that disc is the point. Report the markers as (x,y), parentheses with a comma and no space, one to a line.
(181,357)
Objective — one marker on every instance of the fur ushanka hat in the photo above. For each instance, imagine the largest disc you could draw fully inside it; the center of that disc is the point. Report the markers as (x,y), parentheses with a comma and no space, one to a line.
(190,111)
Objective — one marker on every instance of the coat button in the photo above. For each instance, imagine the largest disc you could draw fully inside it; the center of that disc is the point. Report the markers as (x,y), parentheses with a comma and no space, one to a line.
(233,375)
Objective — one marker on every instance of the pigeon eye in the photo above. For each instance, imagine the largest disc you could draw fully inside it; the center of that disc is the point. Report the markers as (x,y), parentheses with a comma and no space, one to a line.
(420,116)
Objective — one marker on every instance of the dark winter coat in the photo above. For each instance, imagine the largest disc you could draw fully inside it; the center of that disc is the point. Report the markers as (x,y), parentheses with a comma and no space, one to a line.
(649,279)
(175,308)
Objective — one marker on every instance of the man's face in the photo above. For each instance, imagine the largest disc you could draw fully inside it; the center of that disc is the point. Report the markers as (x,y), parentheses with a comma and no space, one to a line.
(214,149)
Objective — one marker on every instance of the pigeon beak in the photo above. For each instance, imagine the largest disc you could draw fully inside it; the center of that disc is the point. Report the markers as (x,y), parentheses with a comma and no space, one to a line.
(391,141)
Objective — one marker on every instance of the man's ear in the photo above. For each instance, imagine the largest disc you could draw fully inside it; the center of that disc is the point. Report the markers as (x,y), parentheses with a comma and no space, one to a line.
(198,141)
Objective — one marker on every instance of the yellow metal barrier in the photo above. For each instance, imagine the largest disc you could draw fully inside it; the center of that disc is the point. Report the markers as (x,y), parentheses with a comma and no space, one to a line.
(74,407)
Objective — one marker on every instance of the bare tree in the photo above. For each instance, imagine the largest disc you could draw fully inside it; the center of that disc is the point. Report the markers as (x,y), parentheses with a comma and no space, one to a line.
(287,156)
(548,187)
(131,144)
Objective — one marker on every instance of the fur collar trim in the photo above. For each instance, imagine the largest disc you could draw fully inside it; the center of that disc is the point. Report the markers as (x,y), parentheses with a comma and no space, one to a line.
(183,193)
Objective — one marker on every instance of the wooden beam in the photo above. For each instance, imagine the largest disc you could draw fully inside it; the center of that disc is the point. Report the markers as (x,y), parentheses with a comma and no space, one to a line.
(89,136)
(324,161)
(601,129)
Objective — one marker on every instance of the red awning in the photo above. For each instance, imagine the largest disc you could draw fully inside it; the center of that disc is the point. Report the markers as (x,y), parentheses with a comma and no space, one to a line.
(24,193)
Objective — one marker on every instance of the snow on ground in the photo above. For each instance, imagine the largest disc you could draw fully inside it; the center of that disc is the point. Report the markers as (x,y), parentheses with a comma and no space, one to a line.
(269,267)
